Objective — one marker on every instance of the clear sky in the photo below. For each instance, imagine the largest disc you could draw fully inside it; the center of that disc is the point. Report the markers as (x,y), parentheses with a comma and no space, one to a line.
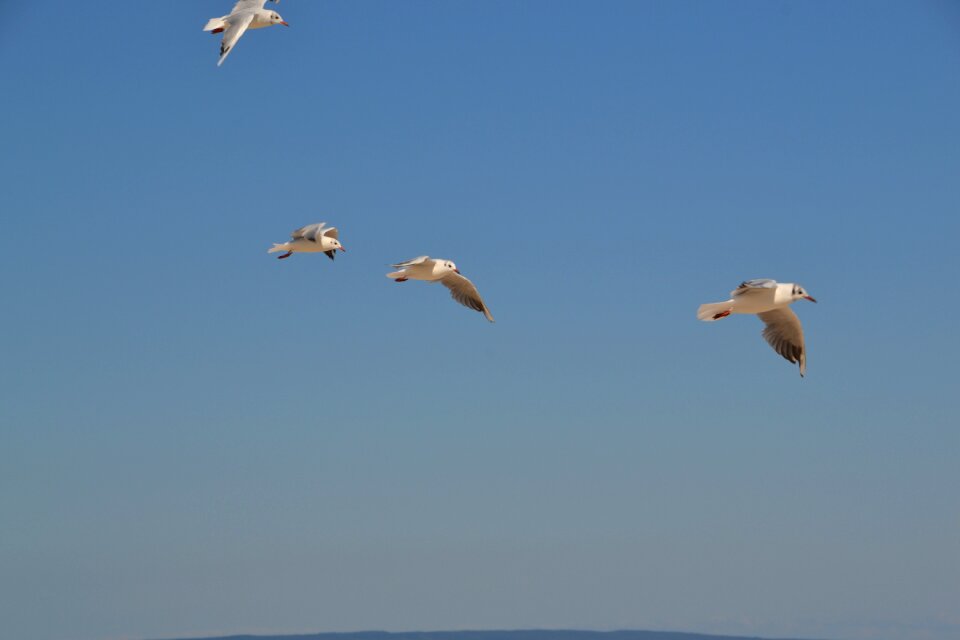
(196,438)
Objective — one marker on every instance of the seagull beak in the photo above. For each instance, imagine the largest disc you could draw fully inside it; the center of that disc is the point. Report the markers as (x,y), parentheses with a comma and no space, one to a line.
(342,248)
(285,23)
(809,298)
(456,270)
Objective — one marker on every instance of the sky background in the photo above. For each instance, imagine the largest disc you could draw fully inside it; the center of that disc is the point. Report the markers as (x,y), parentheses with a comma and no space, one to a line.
(197,439)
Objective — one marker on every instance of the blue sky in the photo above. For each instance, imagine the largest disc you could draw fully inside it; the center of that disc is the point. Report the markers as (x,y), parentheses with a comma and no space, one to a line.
(199,439)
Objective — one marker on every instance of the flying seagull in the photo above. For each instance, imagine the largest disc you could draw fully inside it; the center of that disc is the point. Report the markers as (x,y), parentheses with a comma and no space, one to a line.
(771,301)
(313,238)
(246,14)
(445,272)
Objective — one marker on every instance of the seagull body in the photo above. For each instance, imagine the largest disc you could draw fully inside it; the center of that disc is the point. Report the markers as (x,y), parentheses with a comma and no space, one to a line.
(246,14)
(446,272)
(770,301)
(313,238)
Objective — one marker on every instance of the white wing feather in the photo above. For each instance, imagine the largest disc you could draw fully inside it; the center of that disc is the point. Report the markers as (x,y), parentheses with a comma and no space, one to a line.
(237,26)
(410,263)
(246,5)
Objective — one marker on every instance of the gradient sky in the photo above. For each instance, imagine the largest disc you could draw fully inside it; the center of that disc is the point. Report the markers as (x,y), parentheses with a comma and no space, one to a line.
(196,438)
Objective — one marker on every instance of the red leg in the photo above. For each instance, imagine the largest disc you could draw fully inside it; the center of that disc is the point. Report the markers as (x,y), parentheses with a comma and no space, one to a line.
(286,255)
(220,30)
(401,279)
(722,314)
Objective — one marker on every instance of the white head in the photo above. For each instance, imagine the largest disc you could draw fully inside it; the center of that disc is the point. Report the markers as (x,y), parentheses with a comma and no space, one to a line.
(332,244)
(446,265)
(799,292)
(276,19)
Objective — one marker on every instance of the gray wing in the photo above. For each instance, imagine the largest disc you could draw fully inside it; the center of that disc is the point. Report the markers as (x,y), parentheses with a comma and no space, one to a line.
(331,232)
(237,27)
(310,232)
(749,286)
(785,334)
(410,263)
(464,292)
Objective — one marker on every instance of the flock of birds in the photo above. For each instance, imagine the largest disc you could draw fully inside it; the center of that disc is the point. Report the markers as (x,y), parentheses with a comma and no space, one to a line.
(319,238)
(767,299)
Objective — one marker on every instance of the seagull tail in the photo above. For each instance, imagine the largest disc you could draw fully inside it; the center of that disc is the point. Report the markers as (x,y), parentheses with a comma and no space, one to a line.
(278,247)
(397,274)
(216,23)
(714,310)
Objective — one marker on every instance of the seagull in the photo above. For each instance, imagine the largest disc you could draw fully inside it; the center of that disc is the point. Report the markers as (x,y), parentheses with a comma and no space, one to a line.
(445,272)
(313,238)
(771,301)
(246,14)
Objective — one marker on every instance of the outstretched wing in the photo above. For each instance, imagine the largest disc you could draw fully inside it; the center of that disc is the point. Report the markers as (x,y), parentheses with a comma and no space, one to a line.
(785,334)
(464,292)
(410,263)
(238,25)
(749,286)
(310,232)
(246,5)
(331,232)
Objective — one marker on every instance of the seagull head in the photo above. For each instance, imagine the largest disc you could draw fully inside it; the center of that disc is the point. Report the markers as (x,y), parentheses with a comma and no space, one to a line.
(800,292)
(276,19)
(336,245)
(450,266)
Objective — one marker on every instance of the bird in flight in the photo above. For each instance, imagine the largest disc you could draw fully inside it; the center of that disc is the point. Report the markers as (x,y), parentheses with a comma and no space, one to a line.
(246,14)
(770,301)
(313,238)
(446,273)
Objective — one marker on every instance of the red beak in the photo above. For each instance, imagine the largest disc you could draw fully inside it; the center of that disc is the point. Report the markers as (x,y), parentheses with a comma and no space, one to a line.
(809,298)
(284,23)
(456,270)
(342,249)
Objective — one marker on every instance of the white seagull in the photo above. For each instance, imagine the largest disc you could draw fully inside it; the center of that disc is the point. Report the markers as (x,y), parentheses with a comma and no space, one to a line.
(445,272)
(771,301)
(246,14)
(313,238)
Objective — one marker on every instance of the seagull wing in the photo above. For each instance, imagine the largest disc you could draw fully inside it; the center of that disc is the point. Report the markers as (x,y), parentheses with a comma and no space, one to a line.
(464,292)
(246,5)
(784,333)
(310,232)
(410,263)
(750,286)
(238,24)
(331,232)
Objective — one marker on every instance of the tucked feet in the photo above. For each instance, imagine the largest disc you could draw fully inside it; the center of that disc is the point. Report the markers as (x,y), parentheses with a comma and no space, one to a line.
(286,255)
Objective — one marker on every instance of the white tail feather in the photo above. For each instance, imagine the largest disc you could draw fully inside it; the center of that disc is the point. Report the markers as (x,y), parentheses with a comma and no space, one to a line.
(708,312)
(277,247)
